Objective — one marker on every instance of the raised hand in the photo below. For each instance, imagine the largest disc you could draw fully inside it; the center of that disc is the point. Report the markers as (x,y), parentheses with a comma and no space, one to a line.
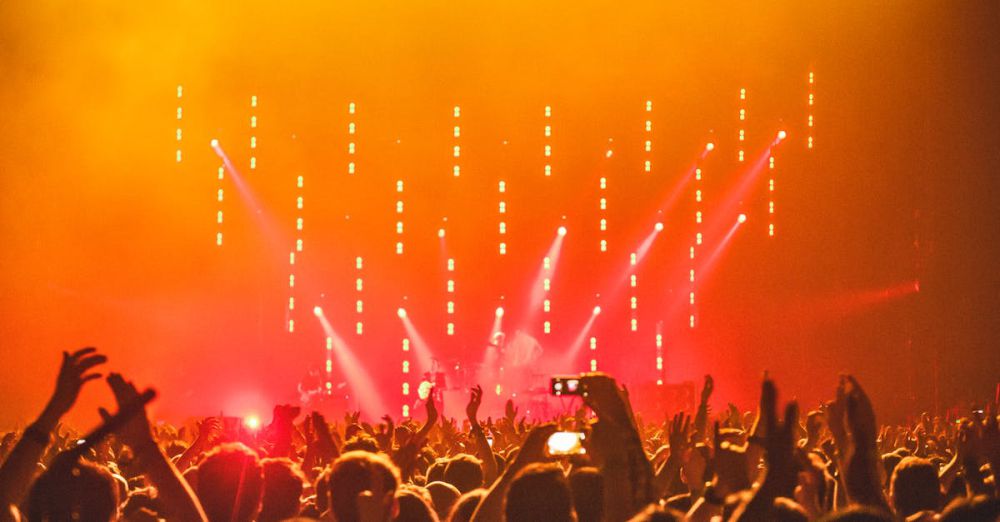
(677,436)
(475,401)
(708,388)
(385,433)
(510,412)
(74,372)
(134,432)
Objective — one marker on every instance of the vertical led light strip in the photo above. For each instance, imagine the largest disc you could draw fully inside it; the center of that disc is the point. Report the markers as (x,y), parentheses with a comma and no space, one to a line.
(547,144)
(399,217)
(253,132)
(593,353)
(698,239)
(659,353)
(602,205)
(359,288)
(648,142)
(809,117)
(219,196)
(406,376)
(450,291)
(770,196)
(546,301)
(456,149)
(502,210)
(351,145)
(741,135)
(180,116)
(294,254)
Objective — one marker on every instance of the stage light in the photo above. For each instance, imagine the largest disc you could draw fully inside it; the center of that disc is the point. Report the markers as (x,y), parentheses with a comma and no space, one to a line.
(499,311)
(742,218)
(214,143)
(658,227)
(562,231)
(782,135)
(441,233)
(252,422)
(401,313)
(318,311)
(597,310)
(710,146)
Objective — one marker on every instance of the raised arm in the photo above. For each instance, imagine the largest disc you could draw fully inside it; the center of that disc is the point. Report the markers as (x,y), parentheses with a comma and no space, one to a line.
(136,433)
(19,468)
(483,449)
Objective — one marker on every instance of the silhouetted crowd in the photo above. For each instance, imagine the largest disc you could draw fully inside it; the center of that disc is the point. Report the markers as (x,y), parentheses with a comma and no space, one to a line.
(833,463)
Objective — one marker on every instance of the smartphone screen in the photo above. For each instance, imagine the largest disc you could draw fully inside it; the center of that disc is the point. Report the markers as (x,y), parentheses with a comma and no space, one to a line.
(566,443)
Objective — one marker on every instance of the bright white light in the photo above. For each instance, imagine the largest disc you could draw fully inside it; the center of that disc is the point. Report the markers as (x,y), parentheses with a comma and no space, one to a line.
(658,227)
(710,146)
(214,143)
(562,231)
(782,135)
(499,311)
(609,153)
(441,233)
(597,310)
(318,311)
(252,422)
(401,313)
(742,218)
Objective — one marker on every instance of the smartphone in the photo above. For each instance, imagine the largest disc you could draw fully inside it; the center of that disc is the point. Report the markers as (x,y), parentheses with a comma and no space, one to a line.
(566,443)
(566,385)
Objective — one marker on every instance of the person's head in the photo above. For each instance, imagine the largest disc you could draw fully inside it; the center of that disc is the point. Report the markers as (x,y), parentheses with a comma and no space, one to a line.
(587,485)
(655,513)
(466,506)
(915,487)
(356,472)
(283,483)
(787,510)
(976,509)
(414,506)
(230,483)
(465,472)
(857,514)
(435,472)
(72,489)
(814,424)
(889,463)
(362,442)
(443,496)
(539,492)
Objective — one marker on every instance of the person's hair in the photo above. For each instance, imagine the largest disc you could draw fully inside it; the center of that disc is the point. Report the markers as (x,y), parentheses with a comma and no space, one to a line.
(915,486)
(587,485)
(466,506)
(362,442)
(352,474)
(71,489)
(443,496)
(230,483)
(539,492)
(465,472)
(787,510)
(976,509)
(657,513)
(889,462)
(414,506)
(435,472)
(283,483)
(857,514)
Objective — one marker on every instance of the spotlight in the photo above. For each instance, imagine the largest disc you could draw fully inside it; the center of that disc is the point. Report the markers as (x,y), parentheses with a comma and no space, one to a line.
(742,218)
(597,310)
(608,153)
(214,143)
(562,231)
(252,422)
(782,135)
(401,313)
(710,146)
(318,311)
(499,311)
(658,227)
(441,233)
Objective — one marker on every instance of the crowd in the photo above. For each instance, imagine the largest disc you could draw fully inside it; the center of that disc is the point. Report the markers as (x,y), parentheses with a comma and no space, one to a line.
(833,463)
